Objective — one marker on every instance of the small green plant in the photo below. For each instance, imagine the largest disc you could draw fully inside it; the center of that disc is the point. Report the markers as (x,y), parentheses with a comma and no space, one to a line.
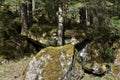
(108,54)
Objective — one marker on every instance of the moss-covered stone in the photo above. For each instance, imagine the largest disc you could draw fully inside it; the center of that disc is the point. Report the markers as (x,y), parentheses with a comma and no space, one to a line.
(52,63)
(65,63)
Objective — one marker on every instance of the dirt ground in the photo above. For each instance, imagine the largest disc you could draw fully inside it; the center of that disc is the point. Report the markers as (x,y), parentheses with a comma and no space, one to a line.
(12,70)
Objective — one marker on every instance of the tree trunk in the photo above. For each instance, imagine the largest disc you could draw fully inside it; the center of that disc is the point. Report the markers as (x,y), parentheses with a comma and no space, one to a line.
(33,5)
(60,25)
(86,15)
(29,13)
(24,18)
(1,2)
(91,21)
(83,17)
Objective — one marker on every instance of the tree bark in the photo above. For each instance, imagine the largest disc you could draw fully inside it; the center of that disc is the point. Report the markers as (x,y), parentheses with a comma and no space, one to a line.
(29,13)
(60,25)
(24,18)
(91,21)
(33,5)
(1,2)
(83,17)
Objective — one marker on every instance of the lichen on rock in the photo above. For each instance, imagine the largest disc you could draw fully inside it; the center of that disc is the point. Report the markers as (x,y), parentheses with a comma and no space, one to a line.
(68,63)
(52,63)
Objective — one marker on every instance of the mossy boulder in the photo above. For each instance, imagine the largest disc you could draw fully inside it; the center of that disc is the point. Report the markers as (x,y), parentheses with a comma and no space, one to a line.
(54,63)
(66,63)
(117,58)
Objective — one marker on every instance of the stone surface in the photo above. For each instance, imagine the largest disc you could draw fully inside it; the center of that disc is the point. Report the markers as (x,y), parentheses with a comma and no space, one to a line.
(54,63)
(66,63)
(117,58)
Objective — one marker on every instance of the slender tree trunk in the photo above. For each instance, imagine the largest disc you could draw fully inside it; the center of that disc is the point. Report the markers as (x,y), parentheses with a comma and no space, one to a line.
(24,18)
(83,17)
(60,25)
(33,5)
(1,2)
(29,13)
(91,21)
(86,15)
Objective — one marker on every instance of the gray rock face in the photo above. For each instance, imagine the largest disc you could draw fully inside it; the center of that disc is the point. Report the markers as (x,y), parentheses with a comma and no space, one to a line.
(54,63)
(65,63)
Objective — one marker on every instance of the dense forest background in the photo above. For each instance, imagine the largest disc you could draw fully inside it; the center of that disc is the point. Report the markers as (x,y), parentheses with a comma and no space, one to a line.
(26,26)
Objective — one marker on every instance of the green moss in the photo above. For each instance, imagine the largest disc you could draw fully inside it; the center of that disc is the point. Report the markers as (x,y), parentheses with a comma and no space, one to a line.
(52,70)
(2,57)
(88,66)
(115,69)
(53,51)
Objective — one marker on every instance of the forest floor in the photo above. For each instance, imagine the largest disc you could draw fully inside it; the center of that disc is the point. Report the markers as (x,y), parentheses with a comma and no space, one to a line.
(13,69)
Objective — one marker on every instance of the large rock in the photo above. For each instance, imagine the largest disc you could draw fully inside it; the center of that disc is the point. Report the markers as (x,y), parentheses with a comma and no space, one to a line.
(68,63)
(117,58)
(116,66)
(54,63)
